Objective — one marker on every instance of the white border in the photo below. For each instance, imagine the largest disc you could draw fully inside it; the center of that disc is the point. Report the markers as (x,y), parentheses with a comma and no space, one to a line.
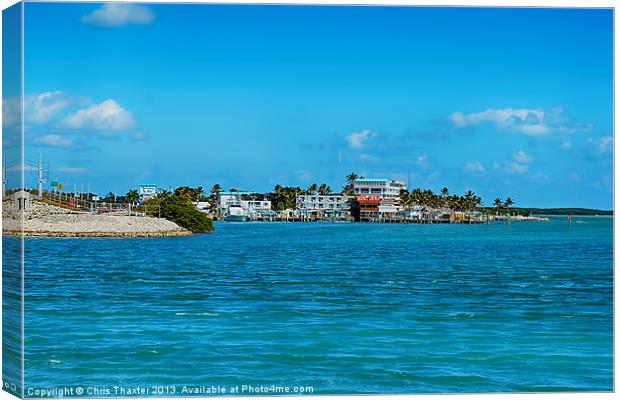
(480,3)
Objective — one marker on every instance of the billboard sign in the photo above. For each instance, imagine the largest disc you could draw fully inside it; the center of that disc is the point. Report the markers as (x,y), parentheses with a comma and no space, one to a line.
(147,190)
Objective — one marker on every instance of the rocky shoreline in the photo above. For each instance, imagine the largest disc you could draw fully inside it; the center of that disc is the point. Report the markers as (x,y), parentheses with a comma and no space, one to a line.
(95,234)
(45,220)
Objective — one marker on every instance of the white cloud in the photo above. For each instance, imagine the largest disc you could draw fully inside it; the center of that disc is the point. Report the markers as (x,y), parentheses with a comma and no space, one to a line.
(516,168)
(52,140)
(540,177)
(567,144)
(527,121)
(108,116)
(43,107)
(25,167)
(357,140)
(422,160)
(518,164)
(71,170)
(11,111)
(605,144)
(523,158)
(474,167)
(114,15)
(39,108)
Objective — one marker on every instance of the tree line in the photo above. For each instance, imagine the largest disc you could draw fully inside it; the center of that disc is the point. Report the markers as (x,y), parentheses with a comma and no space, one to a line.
(285,197)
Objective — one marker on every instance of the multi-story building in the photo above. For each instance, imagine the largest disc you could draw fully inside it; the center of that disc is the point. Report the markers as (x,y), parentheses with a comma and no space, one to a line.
(256,205)
(386,188)
(226,199)
(377,197)
(329,205)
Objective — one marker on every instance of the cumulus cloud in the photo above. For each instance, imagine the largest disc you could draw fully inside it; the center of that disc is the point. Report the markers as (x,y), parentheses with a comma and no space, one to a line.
(39,108)
(603,144)
(43,107)
(357,140)
(526,121)
(523,158)
(474,167)
(115,15)
(71,170)
(518,164)
(52,140)
(108,116)
(516,168)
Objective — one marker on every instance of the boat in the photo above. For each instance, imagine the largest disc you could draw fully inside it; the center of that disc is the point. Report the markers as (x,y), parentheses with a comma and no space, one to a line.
(236,214)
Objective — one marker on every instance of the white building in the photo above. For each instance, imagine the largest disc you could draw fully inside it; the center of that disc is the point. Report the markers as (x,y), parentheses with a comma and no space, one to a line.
(226,199)
(311,202)
(386,188)
(256,205)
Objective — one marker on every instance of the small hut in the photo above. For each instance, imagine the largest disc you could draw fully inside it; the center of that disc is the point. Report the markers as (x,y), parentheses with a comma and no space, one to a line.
(21,200)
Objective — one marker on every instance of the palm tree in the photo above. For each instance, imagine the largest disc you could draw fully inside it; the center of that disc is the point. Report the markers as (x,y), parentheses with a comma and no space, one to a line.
(405,198)
(508,203)
(313,188)
(498,203)
(216,189)
(324,189)
(445,193)
(351,178)
(132,197)
(417,196)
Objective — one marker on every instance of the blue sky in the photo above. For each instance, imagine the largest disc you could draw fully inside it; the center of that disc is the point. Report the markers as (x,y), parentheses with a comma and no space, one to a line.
(504,102)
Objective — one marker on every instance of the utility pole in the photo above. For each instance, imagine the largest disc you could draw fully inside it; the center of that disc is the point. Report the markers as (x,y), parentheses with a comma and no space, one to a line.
(40,177)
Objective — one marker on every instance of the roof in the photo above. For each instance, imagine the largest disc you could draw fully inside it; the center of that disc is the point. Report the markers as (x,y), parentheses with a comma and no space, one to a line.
(234,193)
(372,180)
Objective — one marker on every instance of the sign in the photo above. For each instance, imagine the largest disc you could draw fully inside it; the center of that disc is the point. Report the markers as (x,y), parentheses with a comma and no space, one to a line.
(95,198)
(147,190)
(54,183)
(59,186)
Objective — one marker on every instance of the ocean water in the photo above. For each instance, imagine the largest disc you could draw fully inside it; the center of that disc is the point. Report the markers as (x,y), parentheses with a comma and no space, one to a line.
(327,307)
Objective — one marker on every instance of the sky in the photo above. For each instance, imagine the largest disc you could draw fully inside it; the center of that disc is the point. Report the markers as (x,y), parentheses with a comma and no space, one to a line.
(500,101)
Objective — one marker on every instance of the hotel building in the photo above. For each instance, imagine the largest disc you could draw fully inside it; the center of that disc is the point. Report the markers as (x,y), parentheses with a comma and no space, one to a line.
(330,205)
(378,196)
(386,188)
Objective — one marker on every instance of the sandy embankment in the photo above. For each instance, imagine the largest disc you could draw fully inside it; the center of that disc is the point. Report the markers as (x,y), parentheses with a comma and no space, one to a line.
(47,220)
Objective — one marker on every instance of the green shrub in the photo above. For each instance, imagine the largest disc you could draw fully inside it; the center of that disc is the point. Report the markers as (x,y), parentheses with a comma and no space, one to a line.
(181,210)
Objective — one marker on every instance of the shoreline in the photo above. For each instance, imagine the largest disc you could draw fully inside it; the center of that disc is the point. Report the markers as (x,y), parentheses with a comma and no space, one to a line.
(126,235)
(45,220)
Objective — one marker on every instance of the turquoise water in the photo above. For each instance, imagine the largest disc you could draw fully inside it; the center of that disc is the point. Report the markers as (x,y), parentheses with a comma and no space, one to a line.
(342,308)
